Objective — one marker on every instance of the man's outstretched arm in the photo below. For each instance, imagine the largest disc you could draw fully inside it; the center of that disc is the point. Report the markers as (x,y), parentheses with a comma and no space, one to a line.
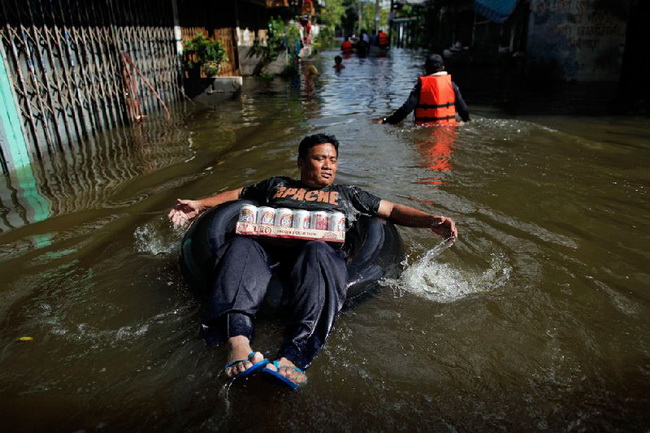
(408,216)
(185,209)
(408,106)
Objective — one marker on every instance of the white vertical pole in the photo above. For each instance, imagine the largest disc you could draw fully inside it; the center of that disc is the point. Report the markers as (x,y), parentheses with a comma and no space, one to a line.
(178,35)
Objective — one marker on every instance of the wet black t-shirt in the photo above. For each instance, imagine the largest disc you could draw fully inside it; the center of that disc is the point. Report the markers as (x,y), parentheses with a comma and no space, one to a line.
(280,192)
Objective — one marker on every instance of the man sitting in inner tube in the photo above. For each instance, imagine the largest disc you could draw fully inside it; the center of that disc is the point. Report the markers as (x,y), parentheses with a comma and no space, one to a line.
(314,271)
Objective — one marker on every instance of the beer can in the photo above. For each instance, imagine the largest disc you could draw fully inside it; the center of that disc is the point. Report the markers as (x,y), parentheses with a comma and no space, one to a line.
(266,215)
(320,220)
(248,214)
(284,217)
(337,222)
(301,219)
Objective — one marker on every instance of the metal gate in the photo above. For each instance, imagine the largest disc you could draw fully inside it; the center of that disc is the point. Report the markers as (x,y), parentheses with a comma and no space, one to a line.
(78,67)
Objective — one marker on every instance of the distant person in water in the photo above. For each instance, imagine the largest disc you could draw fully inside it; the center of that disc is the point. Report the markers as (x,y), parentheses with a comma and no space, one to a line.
(310,70)
(382,39)
(362,46)
(305,22)
(338,64)
(347,48)
(435,98)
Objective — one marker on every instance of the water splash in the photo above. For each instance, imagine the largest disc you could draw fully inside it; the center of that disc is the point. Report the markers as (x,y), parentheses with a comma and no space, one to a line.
(440,282)
(157,237)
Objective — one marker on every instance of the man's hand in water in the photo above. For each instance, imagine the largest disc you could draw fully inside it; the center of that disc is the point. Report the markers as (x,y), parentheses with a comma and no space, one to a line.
(445,227)
(184,211)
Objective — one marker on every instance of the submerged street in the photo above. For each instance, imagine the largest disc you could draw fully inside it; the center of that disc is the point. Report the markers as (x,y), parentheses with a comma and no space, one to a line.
(537,319)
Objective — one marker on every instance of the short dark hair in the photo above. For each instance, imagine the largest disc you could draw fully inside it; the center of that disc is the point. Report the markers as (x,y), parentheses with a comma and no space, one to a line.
(314,140)
(434,63)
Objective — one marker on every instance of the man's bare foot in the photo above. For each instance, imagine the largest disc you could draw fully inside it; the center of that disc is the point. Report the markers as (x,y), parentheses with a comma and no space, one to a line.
(239,361)
(289,370)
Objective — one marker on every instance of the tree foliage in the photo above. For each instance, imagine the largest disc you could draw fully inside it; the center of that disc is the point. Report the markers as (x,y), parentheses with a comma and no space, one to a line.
(332,13)
(368,16)
(350,22)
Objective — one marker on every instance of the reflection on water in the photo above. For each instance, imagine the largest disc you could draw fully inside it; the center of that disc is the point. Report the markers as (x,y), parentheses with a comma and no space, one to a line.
(536,319)
(24,203)
(85,177)
(436,151)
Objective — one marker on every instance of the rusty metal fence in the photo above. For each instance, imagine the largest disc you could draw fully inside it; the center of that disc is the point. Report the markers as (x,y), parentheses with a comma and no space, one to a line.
(78,67)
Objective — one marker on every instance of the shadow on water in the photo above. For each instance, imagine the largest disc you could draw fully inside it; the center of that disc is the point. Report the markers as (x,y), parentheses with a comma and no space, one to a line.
(536,319)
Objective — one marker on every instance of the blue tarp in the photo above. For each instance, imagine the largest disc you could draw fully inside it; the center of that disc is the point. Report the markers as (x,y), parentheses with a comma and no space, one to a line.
(496,11)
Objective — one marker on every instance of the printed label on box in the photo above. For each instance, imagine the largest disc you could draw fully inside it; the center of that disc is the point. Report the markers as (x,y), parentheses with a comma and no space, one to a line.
(245,228)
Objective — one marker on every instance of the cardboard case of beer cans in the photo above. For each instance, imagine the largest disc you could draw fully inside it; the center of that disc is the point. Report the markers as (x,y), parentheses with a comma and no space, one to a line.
(291,223)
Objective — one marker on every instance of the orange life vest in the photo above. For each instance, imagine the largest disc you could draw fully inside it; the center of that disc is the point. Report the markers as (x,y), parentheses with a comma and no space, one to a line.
(437,104)
(382,39)
(347,48)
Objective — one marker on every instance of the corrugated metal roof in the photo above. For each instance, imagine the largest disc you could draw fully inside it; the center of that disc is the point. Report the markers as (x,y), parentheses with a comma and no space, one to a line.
(495,10)
(412,2)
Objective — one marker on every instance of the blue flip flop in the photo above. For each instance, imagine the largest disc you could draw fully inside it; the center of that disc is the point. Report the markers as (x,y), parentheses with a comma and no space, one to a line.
(254,368)
(275,375)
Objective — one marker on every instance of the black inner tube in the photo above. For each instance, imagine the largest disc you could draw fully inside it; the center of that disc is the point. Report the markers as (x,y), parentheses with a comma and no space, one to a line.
(374,248)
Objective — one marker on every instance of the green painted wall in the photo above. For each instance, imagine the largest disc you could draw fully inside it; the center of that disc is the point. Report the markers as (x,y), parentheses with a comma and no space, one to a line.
(16,155)
(12,140)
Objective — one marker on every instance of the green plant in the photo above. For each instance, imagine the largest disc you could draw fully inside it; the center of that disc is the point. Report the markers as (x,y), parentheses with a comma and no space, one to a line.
(211,68)
(205,53)
(282,38)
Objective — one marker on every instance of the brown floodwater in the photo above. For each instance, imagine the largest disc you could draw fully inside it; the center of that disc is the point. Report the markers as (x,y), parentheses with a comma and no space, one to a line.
(537,319)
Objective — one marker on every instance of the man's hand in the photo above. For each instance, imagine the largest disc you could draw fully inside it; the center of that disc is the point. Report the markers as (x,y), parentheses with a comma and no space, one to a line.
(184,211)
(445,227)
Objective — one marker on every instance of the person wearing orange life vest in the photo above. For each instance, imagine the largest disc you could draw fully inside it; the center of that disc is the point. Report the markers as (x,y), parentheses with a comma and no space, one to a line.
(435,98)
(382,39)
(346,47)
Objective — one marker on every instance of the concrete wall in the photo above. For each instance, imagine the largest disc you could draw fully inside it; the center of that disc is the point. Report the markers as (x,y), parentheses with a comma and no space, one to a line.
(253,64)
(575,40)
